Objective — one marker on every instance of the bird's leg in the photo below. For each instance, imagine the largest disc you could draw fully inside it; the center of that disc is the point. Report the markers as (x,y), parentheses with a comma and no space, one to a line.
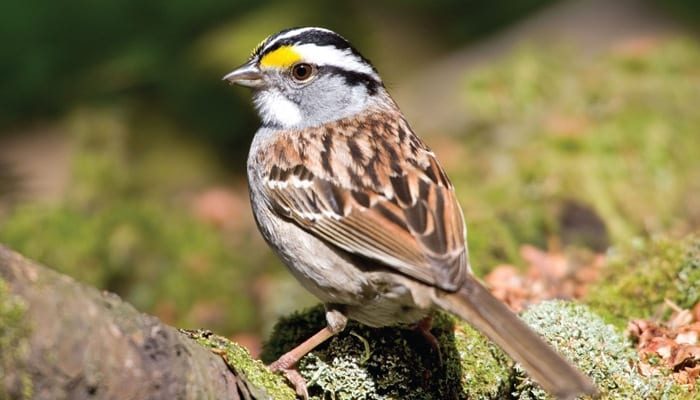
(288,361)
(423,327)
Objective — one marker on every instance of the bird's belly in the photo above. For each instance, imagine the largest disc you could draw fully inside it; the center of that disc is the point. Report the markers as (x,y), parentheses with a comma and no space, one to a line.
(373,296)
(392,302)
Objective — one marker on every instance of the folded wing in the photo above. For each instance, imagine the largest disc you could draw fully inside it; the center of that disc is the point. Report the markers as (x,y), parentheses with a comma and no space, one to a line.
(401,212)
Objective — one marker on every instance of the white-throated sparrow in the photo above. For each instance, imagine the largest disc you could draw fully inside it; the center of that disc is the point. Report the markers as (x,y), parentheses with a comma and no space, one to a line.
(358,207)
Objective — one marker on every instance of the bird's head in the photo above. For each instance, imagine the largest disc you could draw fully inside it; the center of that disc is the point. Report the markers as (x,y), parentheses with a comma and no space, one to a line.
(307,77)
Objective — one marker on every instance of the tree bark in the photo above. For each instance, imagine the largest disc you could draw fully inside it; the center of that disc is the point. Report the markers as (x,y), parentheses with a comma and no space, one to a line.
(86,344)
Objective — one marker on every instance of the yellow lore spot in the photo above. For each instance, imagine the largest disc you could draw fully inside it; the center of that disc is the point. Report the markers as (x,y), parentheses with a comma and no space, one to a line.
(283,57)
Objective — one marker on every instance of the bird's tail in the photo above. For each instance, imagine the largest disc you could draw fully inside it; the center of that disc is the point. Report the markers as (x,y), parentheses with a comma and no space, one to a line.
(476,305)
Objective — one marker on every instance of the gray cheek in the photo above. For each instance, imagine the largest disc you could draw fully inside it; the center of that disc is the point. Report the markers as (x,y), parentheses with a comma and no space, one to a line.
(329,99)
(290,90)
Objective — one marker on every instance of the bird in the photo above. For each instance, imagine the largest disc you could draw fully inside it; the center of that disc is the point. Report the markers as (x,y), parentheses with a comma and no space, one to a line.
(359,208)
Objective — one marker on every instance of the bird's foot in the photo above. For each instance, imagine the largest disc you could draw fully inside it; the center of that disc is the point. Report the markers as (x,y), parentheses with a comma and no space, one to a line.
(287,365)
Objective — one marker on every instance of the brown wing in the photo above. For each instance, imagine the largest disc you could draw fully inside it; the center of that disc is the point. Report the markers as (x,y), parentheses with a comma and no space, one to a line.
(401,211)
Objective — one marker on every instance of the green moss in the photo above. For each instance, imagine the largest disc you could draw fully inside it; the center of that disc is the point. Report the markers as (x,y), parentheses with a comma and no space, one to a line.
(394,363)
(615,135)
(485,371)
(640,276)
(264,383)
(599,349)
(14,333)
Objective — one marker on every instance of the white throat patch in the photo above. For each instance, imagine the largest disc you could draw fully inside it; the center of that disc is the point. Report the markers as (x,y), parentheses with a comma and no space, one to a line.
(276,109)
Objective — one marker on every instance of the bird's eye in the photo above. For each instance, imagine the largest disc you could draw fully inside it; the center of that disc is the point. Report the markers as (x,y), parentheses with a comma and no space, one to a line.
(302,71)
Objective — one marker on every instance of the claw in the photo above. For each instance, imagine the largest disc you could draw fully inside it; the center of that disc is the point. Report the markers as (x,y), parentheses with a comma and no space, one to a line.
(292,375)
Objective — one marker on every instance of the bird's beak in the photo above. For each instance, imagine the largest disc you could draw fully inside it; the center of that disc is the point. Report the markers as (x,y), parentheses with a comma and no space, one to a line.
(247,74)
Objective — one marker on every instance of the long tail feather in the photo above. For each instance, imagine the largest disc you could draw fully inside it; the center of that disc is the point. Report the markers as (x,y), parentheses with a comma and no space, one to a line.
(476,305)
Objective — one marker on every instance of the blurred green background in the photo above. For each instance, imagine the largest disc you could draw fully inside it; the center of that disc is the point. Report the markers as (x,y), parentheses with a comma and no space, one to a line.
(122,152)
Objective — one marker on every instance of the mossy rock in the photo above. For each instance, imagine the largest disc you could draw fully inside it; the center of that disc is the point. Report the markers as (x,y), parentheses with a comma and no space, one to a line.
(398,362)
(394,362)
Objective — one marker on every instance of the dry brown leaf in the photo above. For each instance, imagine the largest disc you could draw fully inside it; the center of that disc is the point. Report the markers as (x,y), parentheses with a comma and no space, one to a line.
(674,343)
(549,275)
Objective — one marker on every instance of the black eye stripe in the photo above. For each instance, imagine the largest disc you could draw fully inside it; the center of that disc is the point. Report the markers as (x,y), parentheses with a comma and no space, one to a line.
(353,78)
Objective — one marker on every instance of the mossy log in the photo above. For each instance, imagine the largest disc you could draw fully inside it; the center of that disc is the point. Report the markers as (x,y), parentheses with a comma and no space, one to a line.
(60,339)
